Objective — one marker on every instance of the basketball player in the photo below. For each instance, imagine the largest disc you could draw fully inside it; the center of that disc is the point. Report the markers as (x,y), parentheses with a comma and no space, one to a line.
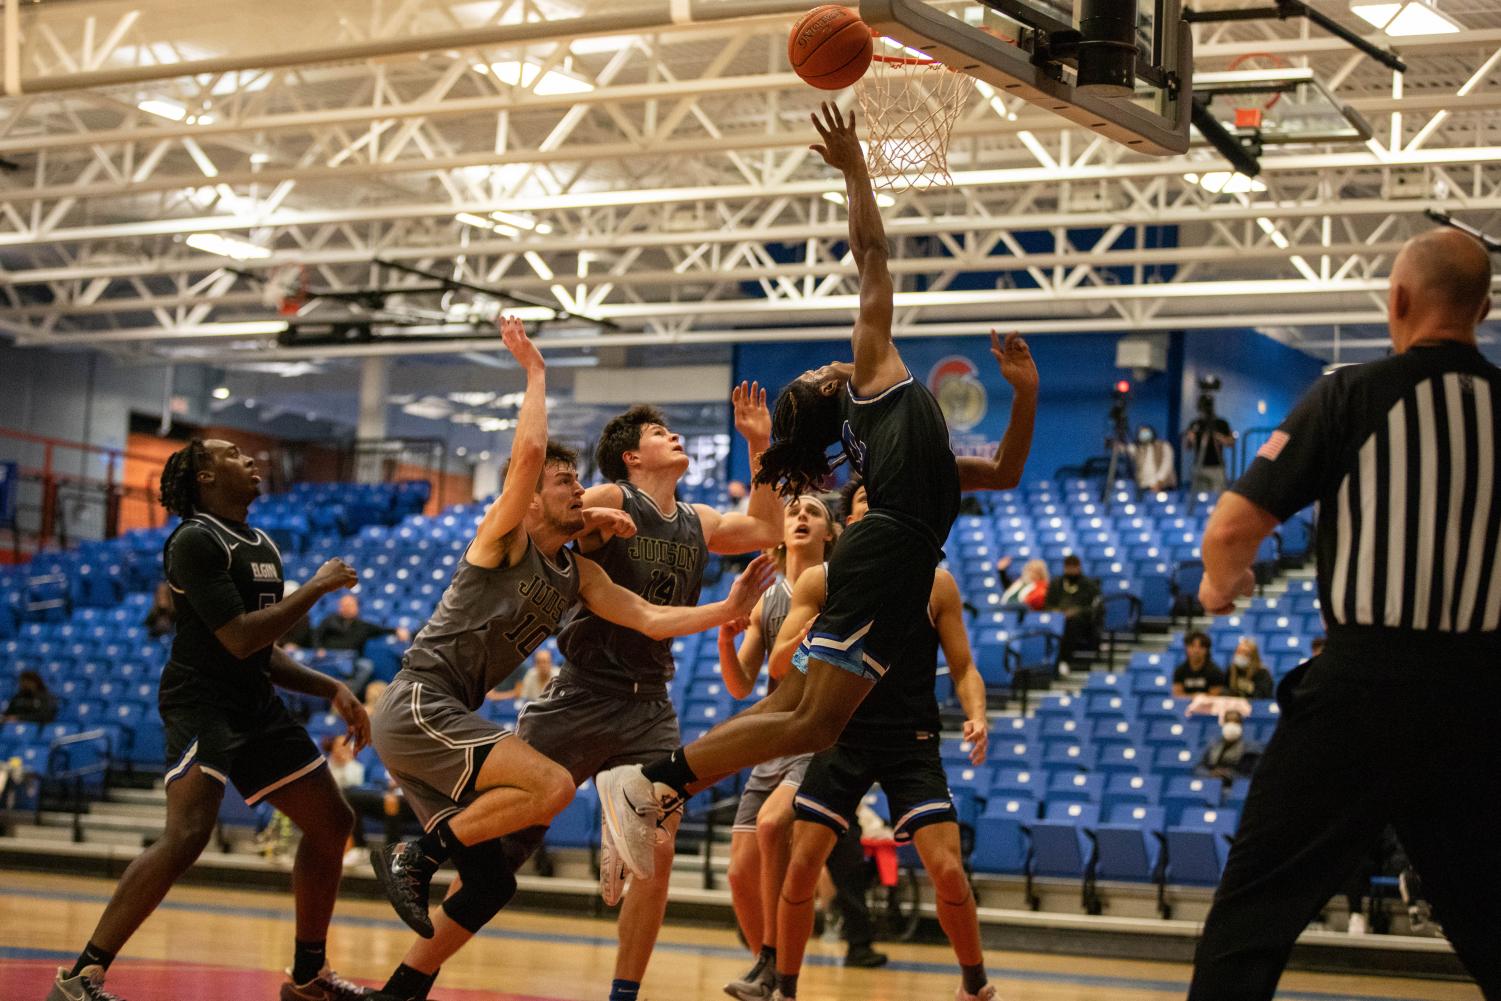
(466,782)
(881,578)
(893,739)
(224,722)
(759,837)
(609,704)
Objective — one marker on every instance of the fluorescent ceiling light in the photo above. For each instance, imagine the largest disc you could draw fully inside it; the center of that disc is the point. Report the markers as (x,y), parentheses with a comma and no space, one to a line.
(475,399)
(538,265)
(431,408)
(227,246)
(1413,17)
(521,222)
(481,222)
(164,109)
(527,74)
(221,392)
(882,198)
(1224,182)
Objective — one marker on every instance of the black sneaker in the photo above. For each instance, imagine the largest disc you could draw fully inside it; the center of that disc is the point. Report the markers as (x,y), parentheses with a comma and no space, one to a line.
(87,986)
(405,883)
(864,956)
(756,985)
(326,986)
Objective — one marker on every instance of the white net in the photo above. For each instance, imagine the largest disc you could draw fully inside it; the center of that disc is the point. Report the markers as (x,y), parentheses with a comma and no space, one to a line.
(910,106)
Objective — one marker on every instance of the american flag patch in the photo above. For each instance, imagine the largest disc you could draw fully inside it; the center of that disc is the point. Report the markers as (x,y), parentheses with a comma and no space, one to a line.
(1274,446)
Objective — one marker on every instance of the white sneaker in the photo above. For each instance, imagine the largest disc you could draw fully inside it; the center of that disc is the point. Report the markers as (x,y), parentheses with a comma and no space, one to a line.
(987,993)
(1357,925)
(628,801)
(611,868)
(87,986)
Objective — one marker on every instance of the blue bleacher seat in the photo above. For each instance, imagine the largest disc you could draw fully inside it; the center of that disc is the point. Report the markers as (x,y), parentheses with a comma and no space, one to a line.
(1061,846)
(578,825)
(1174,760)
(1129,843)
(1001,840)
(1016,753)
(1187,793)
(1122,758)
(1198,845)
(1076,787)
(1067,754)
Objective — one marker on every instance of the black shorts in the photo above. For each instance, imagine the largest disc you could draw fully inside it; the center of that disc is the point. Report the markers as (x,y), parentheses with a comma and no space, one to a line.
(911,775)
(259,752)
(880,583)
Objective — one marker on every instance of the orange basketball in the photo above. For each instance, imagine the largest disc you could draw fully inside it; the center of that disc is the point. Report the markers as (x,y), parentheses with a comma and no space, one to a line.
(830,47)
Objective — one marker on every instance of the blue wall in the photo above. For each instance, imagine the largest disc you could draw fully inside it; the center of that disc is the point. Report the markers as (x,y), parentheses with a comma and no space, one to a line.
(1078,376)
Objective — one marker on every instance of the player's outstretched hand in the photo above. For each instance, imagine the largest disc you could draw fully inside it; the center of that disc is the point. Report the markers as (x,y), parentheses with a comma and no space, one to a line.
(335,575)
(977,734)
(1015,359)
(609,522)
(840,147)
(751,584)
(734,627)
(513,335)
(1218,602)
(352,711)
(752,419)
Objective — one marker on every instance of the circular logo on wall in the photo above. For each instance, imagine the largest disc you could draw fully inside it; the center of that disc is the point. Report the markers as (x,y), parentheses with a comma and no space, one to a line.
(955,382)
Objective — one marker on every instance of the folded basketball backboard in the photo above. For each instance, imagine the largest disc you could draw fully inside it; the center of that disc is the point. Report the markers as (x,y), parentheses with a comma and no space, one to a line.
(1280,106)
(1017,47)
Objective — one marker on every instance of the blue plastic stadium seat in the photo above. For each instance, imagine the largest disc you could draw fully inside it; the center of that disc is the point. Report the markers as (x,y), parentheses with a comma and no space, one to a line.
(1060,707)
(1174,761)
(1185,794)
(1068,754)
(1061,846)
(1016,753)
(1078,787)
(1001,841)
(1011,782)
(1109,705)
(1198,845)
(578,825)
(1129,843)
(1122,758)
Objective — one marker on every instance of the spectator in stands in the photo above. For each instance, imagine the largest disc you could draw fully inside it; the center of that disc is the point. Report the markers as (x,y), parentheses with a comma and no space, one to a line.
(161,617)
(1232,756)
(739,496)
(301,633)
(1249,677)
(373,692)
(345,630)
(1206,440)
(1198,673)
(534,682)
(1156,466)
(1030,589)
(1077,597)
(349,774)
(32,703)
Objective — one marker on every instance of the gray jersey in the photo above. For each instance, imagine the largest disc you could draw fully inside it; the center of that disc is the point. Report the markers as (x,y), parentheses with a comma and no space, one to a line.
(489,621)
(775,605)
(664,563)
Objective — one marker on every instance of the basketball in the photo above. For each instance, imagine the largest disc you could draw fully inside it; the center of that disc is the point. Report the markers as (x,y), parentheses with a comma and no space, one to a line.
(830,47)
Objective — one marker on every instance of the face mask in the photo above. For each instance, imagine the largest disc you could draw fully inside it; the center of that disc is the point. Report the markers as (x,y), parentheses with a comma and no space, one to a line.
(1231,732)
(1072,576)
(1145,437)
(1242,661)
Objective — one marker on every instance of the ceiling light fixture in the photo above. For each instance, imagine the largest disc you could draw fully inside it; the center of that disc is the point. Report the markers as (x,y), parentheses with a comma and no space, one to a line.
(1411,17)
(163,108)
(227,246)
(1225,182)
(221,392)
(529,75)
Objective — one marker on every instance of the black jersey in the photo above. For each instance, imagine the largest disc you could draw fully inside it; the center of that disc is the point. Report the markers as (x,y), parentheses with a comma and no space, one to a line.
(903,705)
(1402,456)
(664,563)
(219,570)
(898,442)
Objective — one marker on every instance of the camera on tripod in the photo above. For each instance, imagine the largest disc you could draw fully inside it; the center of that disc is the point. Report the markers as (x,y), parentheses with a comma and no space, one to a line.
(1119,408)
(1208,386)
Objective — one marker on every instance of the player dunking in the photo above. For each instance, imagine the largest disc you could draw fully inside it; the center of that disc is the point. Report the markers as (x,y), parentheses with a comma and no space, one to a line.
(223,721)
(609,704)
(880,579)
(759,837)
(466,782)
(892,739)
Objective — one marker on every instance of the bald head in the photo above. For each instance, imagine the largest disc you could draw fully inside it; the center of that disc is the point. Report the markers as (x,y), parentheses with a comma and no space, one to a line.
(1440,288)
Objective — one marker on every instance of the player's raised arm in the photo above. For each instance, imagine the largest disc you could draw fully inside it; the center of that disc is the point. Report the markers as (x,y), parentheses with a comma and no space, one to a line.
(614,603)
(878,366)
(948,609)
(528,453)
(760,527)
(808,596)
(739,668)
(1004,470)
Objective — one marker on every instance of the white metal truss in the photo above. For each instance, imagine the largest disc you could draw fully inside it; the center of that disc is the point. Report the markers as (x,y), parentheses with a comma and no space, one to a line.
(650,169)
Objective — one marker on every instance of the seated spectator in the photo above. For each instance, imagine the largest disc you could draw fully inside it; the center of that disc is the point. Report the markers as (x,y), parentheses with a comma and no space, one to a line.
(161,617)
(1248,677)
(1077,597)
(300,636)
(1030,589)
(1156,468)
(366,801)
(1198,673)
(373,692)
(32,703)
(345,630)
(1232,756)
(533,683)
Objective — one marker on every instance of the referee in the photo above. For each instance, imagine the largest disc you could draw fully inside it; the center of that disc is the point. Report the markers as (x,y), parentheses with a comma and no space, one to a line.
(1395,722)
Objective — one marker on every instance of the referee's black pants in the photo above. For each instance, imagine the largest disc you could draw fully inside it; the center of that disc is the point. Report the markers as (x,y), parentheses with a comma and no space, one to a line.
(1382,728)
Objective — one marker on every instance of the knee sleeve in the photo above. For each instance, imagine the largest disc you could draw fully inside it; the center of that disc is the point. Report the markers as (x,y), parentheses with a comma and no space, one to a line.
(488,885)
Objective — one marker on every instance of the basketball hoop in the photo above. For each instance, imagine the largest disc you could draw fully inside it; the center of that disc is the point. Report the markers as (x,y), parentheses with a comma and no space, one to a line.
(286,290)
(1251,117)
(910,105)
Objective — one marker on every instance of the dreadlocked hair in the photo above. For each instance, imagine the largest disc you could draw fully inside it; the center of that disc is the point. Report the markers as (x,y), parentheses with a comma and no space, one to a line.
(804,423)
(179,487)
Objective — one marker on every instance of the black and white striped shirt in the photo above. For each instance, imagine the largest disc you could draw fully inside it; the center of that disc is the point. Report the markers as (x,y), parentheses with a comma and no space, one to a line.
(1401,456)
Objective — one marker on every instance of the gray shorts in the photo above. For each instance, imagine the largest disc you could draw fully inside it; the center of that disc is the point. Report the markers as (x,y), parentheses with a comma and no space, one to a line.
(433,745)
(764,780)
(588,733)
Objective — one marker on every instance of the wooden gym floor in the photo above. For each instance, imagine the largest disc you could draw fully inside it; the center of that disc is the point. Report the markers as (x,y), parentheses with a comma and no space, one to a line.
(230,945)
